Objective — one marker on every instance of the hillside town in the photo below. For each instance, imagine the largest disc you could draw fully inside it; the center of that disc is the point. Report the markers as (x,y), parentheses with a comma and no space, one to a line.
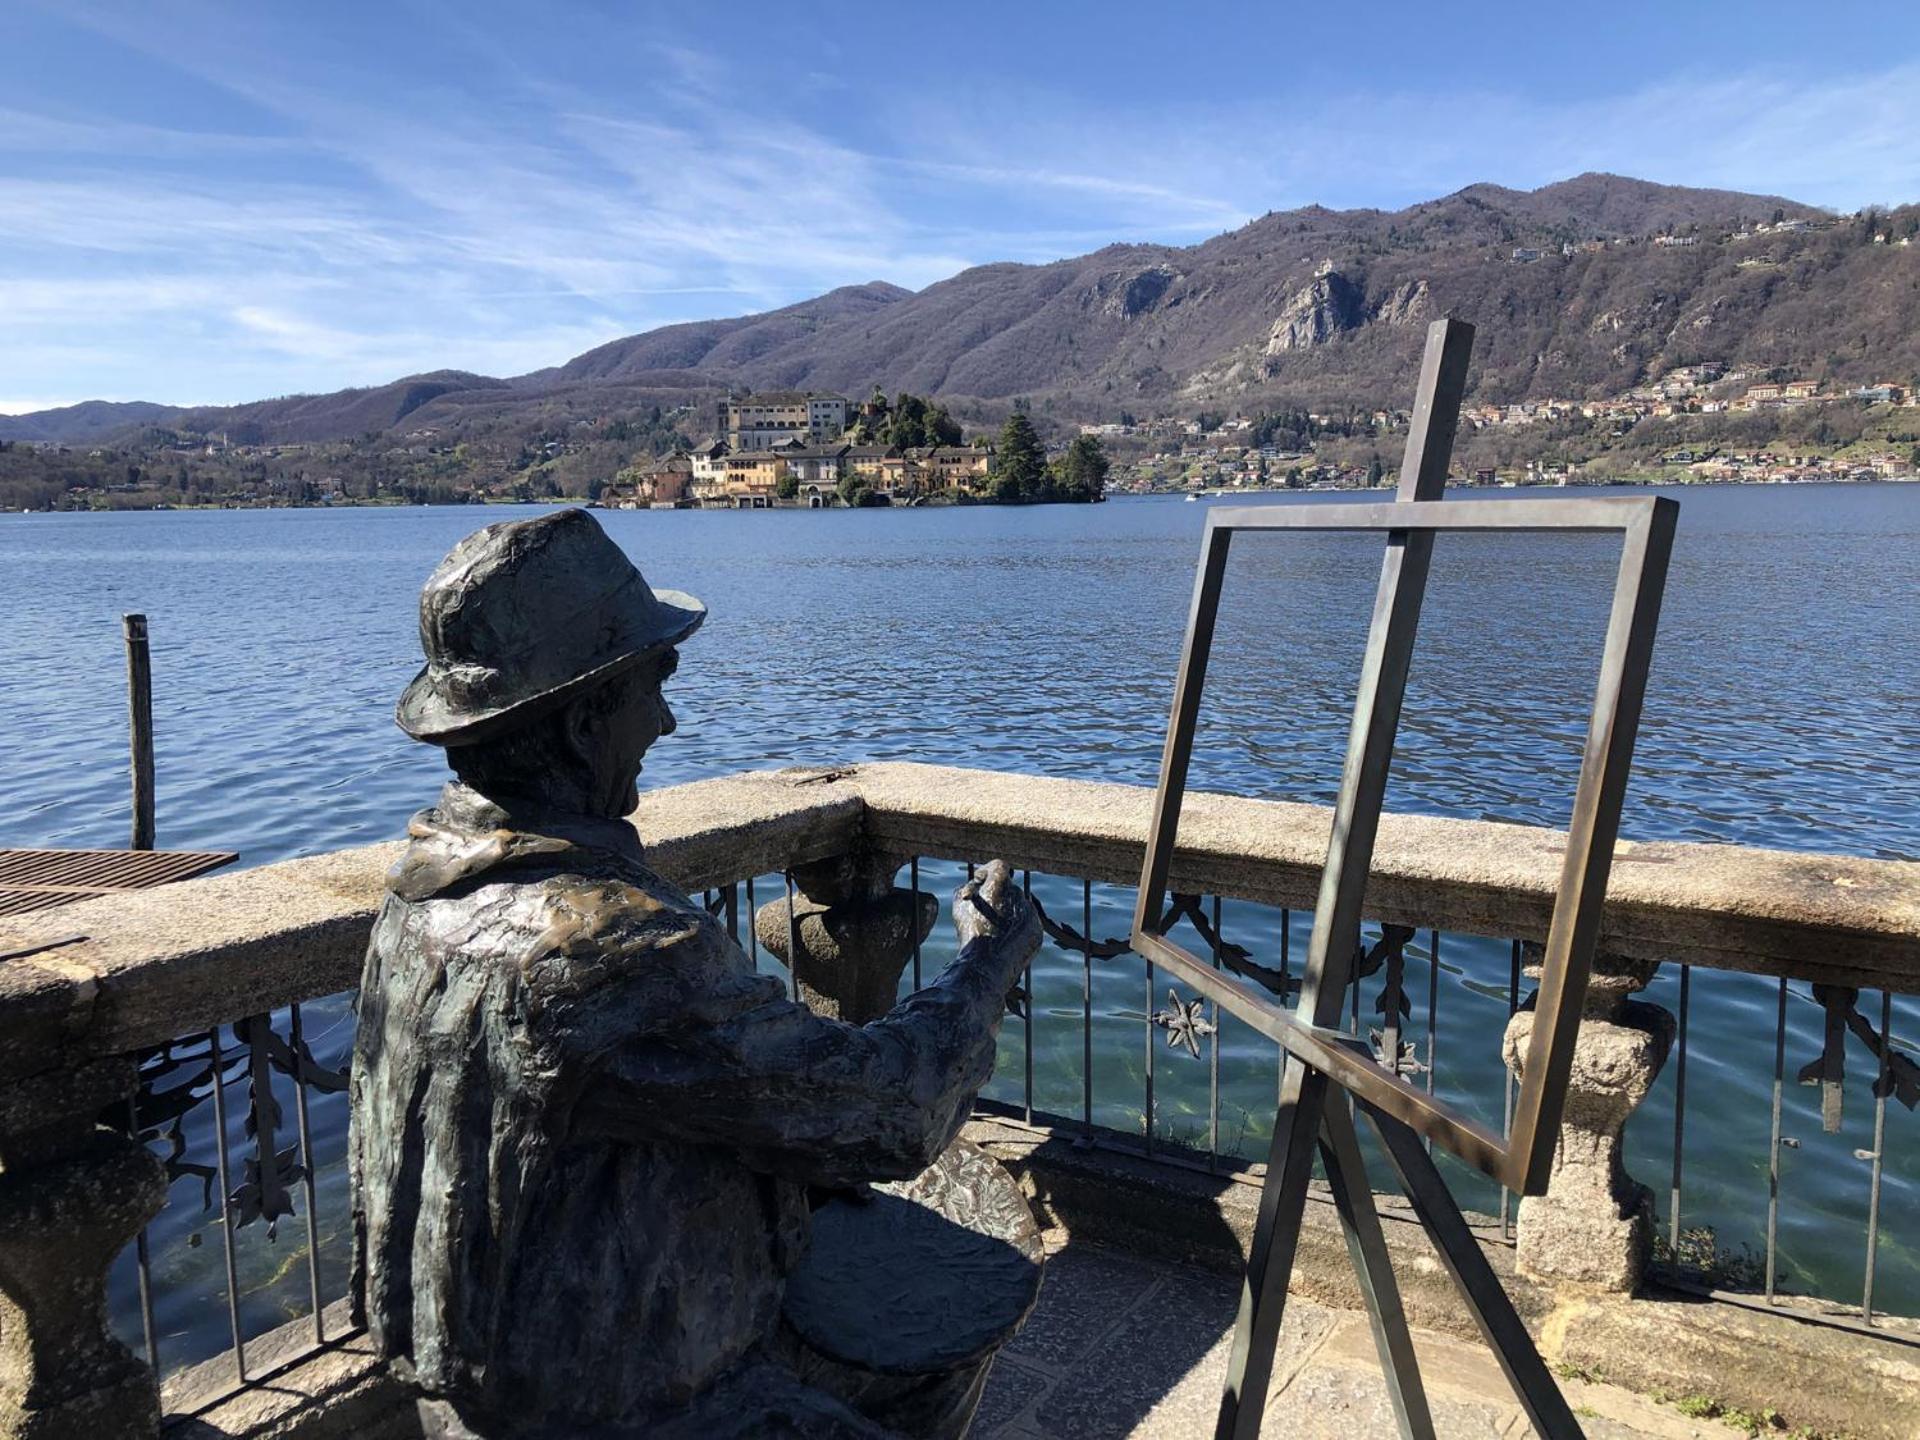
(1622,434)
(811,450)
(1879,232)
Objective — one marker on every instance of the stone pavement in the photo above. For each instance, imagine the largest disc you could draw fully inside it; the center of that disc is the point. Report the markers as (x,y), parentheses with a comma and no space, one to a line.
(1122,1345)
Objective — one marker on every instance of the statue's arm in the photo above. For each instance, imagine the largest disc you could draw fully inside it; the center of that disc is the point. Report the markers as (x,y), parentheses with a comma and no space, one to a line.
(822,1101)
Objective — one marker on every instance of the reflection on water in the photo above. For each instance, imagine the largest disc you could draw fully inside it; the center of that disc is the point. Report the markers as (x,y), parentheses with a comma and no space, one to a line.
(1782,712)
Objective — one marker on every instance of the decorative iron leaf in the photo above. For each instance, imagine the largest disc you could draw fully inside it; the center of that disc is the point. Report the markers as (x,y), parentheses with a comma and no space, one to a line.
(298,1064)
(1067,938)
(1896,1074)
(1406,1059)
(1185,1022)
(266,1190)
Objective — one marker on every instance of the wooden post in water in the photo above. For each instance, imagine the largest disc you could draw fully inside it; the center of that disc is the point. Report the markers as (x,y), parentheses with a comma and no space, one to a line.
(140,727)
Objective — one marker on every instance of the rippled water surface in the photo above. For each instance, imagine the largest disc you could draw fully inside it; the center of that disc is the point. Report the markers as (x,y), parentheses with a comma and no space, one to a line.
(1782,712)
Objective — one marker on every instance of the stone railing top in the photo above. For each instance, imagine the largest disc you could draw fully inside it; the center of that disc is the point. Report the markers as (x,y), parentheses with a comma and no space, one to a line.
(159,963)
(164,962)
(1824,917)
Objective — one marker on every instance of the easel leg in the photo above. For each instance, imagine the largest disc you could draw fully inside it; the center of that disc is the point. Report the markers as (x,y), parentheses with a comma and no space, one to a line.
(1276,1235)
(1486,1299)
(1353,1198)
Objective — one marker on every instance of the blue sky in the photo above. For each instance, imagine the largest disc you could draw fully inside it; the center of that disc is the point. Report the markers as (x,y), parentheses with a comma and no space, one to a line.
(217,202)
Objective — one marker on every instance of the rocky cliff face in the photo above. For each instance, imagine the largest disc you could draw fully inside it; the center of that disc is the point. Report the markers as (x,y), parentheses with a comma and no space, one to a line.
(1133,295)
(1314,315)
(1405,305)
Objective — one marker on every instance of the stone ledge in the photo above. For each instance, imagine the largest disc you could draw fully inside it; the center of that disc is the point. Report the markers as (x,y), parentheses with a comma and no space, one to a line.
(160,963)
(337,1392)
(1835,918)
(1833,1378)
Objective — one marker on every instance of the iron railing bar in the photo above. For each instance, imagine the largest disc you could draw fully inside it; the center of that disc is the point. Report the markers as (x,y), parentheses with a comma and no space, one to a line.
(913,880)
(733,911)
(1213,1055)
(1026,889)
(1879,1151)
(793,943)
(1433,1005)
(1773,1156)
(1148,1026)
(1086,1009)
(297,1035)
(226,1210)
(753,927)
(1433,1013)
(1506,1110)
(143,1263)
(1286,956)
(1679,1107)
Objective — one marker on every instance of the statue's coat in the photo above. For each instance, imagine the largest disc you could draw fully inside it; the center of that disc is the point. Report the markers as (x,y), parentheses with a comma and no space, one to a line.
(583,1126)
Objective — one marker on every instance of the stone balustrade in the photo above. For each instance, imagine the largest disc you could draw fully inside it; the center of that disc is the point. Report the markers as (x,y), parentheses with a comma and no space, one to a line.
(83,986)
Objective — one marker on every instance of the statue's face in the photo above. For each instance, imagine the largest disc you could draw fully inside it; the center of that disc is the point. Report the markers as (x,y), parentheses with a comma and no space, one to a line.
(641,718)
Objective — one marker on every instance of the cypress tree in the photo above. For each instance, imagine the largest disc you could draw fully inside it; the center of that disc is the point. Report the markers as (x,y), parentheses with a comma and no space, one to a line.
(1020,466)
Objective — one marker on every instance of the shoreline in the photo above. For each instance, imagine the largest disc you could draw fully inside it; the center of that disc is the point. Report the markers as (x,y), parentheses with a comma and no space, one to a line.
(1210,493)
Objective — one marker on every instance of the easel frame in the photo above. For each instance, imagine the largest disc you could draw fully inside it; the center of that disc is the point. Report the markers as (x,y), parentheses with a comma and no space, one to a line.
(1325,1056)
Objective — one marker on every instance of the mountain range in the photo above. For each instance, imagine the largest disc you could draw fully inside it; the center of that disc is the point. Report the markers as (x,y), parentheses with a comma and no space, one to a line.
(1314,307)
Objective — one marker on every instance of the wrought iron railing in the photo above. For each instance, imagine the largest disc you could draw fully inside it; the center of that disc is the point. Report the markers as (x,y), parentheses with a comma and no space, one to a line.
(249,1173)
(249,1114)
(213,1106)
(1395,1003)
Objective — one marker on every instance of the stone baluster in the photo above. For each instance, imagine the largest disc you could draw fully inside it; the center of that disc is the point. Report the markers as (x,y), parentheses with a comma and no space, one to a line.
(72,1195)
(856,931)
(1594,1226)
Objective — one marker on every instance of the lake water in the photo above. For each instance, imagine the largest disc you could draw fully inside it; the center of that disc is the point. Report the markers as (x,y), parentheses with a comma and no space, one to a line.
(1782,712)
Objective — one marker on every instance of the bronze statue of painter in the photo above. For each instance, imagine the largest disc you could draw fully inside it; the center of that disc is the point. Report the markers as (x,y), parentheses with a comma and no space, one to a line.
(583,1127)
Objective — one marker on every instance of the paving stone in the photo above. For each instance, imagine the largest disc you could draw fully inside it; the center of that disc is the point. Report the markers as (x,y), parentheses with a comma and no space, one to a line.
(1607,1412)
(1447,1365)
(1086,1289)
(1160,1372)
(1011,1388)
(1340,1402)
(1603,1427)
(1191,1407)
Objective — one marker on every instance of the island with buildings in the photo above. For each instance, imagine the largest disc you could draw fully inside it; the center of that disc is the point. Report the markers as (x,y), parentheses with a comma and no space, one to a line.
(814,451)
(770,450)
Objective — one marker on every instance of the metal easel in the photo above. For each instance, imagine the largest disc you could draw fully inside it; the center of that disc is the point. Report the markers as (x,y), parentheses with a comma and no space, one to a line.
(1309,1117)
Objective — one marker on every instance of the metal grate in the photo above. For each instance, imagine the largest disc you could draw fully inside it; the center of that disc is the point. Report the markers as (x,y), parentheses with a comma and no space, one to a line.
(41,879)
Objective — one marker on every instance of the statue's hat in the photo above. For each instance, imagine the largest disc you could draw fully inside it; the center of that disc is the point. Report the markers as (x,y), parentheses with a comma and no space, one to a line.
(521,617)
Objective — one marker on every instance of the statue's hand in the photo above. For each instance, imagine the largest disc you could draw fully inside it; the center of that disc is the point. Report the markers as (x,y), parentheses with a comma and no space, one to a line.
(990,908)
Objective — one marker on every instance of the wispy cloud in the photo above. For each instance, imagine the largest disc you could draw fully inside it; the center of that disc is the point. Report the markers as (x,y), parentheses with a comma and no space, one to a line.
(1842,142)
(322,226)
